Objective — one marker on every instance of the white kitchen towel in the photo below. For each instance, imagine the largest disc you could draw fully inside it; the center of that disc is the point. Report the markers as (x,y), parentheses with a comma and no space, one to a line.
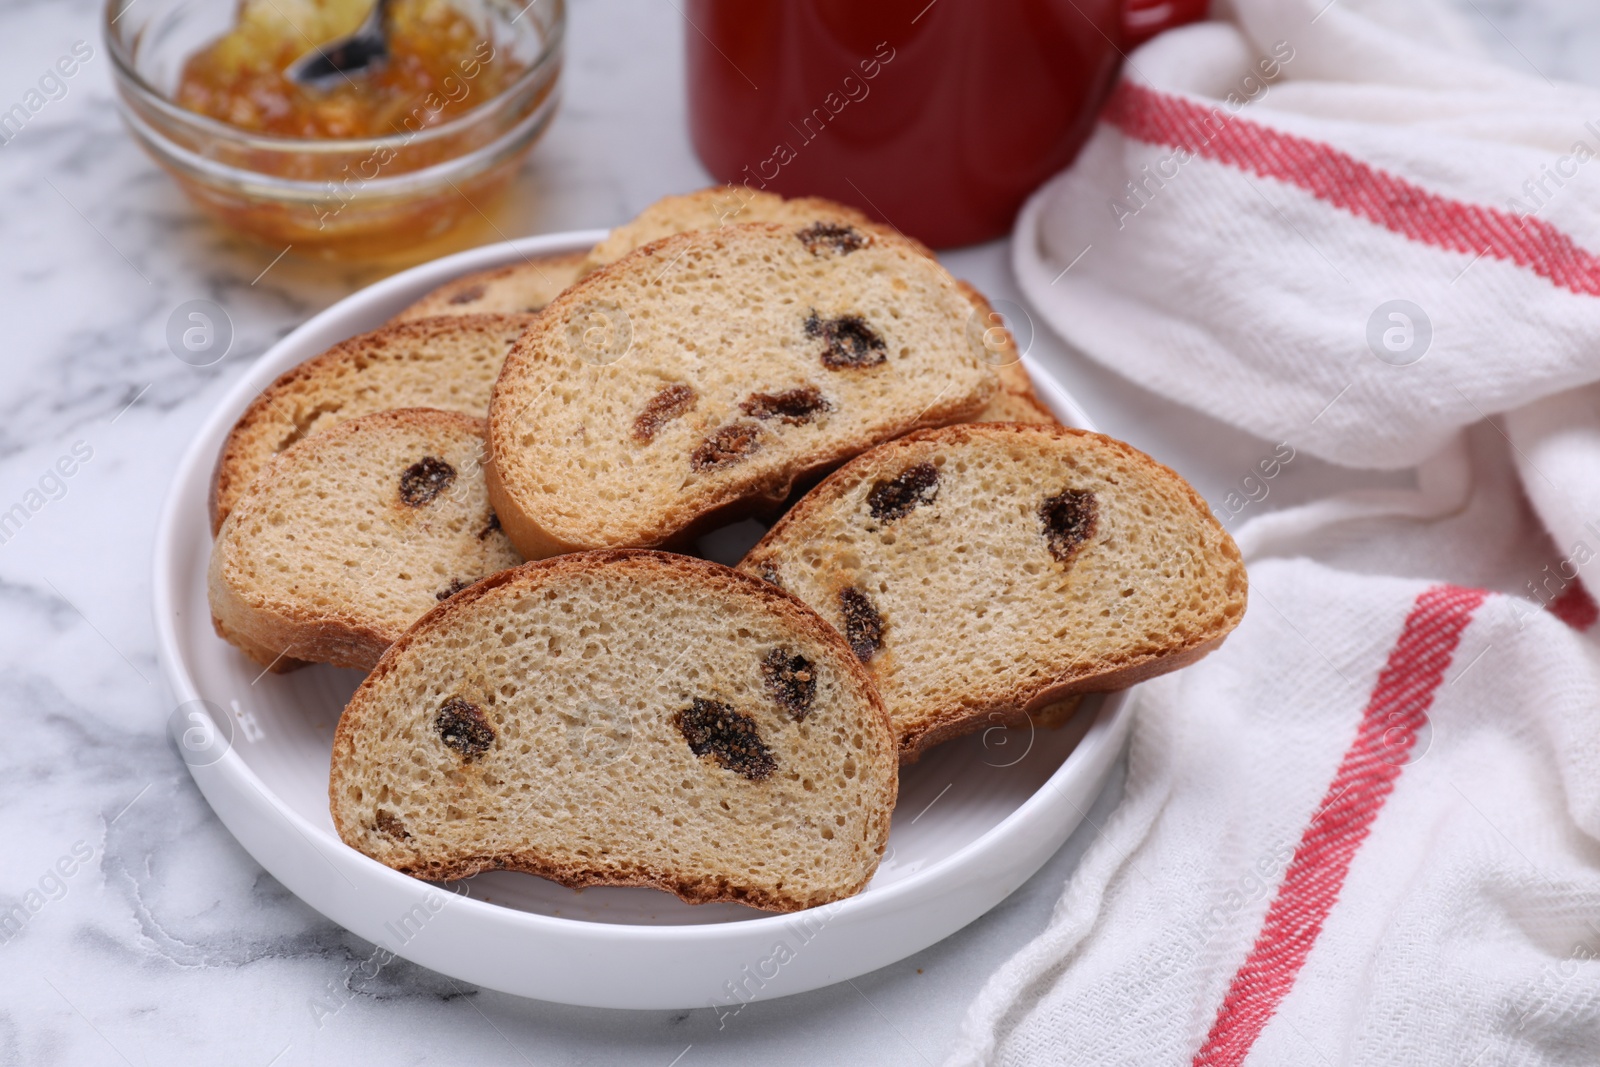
(1367,829)
(1320,222)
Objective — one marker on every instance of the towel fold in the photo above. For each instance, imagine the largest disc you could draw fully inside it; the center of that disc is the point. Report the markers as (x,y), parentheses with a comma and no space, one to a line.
(1367,829)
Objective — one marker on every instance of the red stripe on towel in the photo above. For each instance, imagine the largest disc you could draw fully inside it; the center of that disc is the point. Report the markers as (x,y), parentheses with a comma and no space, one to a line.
(1349,183)
(1576,608)
(1397,709)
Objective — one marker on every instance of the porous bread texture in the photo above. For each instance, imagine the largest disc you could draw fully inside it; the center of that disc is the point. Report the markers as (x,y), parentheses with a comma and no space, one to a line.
(704,375)
(521,288)
(447,363)
(349,537)
(536,723)
(719,206)
(992,601)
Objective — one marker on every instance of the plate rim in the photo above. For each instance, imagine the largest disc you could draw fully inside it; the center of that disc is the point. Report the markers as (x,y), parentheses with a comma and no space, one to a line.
(1108,728)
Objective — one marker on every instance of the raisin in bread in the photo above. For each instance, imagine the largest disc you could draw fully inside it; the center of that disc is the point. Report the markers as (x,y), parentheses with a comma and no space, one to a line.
(349,537)
(448,363)
(994,568)
(733,205)
(705,374)
(521,288)
(622,718)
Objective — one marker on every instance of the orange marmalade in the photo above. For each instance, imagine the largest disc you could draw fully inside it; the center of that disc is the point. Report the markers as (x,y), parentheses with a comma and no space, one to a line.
(440,65)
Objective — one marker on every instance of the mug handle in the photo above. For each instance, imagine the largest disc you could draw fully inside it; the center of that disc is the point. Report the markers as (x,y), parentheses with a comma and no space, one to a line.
(1143,19)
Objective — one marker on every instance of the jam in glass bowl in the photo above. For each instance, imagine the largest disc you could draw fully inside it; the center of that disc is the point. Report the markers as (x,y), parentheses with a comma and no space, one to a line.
(382,163)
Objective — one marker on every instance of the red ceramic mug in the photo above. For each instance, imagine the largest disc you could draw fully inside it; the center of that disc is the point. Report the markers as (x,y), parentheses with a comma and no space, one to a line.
(938,118)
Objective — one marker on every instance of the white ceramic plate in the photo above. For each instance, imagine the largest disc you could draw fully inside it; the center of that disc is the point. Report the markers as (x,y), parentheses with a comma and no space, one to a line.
(976,817)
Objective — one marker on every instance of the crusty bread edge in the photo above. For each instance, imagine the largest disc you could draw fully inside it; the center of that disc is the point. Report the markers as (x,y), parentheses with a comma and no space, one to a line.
(689,890)
(826,211)
(1049,713)
(971,720)
(1014,380)
(267,632)
(436,303)
(943,724)
(278,662)
(680,524)
(225,488)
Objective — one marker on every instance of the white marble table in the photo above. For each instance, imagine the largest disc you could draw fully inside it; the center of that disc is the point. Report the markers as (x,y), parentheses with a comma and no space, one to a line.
(165,943)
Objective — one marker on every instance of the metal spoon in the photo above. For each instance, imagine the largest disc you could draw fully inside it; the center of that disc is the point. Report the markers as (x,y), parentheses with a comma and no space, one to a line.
(363,51)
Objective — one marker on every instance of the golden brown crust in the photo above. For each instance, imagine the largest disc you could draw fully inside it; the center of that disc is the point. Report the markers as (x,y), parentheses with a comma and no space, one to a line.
(1007,406)
(1047,713)
(1016,400)
(284,642)
(714,575)
(688,890)
(262,430)
(277,660)
(284,639)
(728,205)
(976,710)
(524,287)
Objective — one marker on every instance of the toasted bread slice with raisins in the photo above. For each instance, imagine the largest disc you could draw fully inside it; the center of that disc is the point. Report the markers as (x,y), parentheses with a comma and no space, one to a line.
(732,205)
(539,722)
(350,536)
(447,363)
(706,374)
(992,569)
(520,288)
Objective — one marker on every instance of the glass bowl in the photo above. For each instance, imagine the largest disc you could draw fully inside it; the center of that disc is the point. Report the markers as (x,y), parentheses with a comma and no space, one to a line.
(341,198)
